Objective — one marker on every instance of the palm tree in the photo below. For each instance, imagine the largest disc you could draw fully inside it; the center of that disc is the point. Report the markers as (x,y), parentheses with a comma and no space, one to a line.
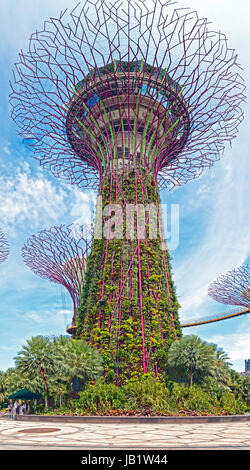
(3,384)
(77,359)
(16,380)
(191,354)
(58,387)
(37,359)
(220,370)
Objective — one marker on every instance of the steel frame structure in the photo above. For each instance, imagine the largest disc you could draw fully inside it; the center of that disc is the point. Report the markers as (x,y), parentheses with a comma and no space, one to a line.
(130,99)
(215,318)
(60,256)
(233,287)
(4,247)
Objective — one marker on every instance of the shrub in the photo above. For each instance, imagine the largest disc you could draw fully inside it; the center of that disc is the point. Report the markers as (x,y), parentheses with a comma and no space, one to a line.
(199,400)
(147,394)
(180,393)
(193,398)
(101,397)
(230,405)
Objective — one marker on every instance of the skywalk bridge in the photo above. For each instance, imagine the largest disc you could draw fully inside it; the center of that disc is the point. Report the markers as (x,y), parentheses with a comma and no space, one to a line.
(236,312)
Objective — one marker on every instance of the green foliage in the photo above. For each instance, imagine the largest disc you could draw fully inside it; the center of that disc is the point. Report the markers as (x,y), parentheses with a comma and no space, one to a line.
(37,359)
(192,398)
(115,328)
(147,396)
(198,359)
(63,359)
(75,358)
(230,405)
(52,365)
(101,397)
(151,396)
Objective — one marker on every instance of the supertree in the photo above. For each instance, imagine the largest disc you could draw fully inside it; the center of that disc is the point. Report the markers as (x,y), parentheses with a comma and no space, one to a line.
(233,287)
(60,254)
(129,97)
(4,247)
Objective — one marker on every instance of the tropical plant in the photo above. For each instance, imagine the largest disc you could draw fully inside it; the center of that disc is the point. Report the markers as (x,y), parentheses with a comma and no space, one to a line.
(191,355)
(230,405)
(37,359)
(75,358)
(246,391)
(220,370)
(16,380)
(3,384)
(192,398)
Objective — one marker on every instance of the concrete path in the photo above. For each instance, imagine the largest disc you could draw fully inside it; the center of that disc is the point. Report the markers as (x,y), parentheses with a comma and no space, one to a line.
(95,436)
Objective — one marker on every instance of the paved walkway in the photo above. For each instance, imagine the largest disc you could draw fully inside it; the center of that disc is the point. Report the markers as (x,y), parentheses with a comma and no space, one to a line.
(91,436)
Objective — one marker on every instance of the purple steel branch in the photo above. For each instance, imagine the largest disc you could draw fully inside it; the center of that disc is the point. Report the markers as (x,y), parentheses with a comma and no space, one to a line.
(72,48)
(4,247)
(56,254)
(233,287)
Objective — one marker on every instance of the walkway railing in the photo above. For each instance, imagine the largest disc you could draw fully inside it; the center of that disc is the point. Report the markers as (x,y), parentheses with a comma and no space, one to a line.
(219,317)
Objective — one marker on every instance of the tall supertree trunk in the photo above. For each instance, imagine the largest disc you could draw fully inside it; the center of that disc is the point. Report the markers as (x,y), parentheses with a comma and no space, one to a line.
(129,308)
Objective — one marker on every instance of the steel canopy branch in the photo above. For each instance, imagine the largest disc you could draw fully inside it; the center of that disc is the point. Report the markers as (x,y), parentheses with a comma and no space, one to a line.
(176,62)
(60,256)
(233,287)
(4,247)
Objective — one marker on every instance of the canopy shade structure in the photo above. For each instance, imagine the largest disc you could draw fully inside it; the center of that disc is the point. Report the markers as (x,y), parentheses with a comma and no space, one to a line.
(24,394)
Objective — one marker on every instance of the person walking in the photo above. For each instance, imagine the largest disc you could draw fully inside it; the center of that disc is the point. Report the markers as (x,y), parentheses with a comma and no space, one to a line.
(10,409)
(16,408)
(21,409)
(14,411)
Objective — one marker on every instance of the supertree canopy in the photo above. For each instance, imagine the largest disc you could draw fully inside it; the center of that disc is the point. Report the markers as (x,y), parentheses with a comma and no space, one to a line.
(58,255)
(128,99)
(233,287)
(4,247)
(100,85)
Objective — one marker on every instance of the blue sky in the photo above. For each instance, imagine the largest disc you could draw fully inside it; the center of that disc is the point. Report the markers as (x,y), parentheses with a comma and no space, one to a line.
(214,210)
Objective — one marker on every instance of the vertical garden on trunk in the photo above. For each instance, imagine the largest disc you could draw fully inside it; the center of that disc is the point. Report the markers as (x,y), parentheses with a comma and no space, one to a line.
(129,309)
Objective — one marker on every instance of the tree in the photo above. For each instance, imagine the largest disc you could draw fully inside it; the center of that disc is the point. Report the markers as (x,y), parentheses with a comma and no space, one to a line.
(220,370)
(192,355)
(16,380)
(77,359)
(246,391)
(3,384)
(37,359)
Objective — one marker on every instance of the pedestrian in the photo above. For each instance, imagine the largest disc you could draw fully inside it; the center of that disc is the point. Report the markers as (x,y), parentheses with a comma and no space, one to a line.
(24,408)
(10,409)
(14,411)
(16,408)
(21,409)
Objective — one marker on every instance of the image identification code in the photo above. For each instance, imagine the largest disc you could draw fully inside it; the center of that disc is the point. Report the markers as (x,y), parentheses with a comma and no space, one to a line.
(129,459)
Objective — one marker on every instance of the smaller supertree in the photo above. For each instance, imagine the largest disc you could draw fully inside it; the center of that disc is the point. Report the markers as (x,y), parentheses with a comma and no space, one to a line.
(4,247)
(233,287)
(58,254)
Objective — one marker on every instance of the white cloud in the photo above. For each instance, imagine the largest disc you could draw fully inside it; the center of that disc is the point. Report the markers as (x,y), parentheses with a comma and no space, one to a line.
(34,316)
(25,198)
(83,206)
(43,316)
(225,243)
(64,312)
(6,150)
(237,345)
